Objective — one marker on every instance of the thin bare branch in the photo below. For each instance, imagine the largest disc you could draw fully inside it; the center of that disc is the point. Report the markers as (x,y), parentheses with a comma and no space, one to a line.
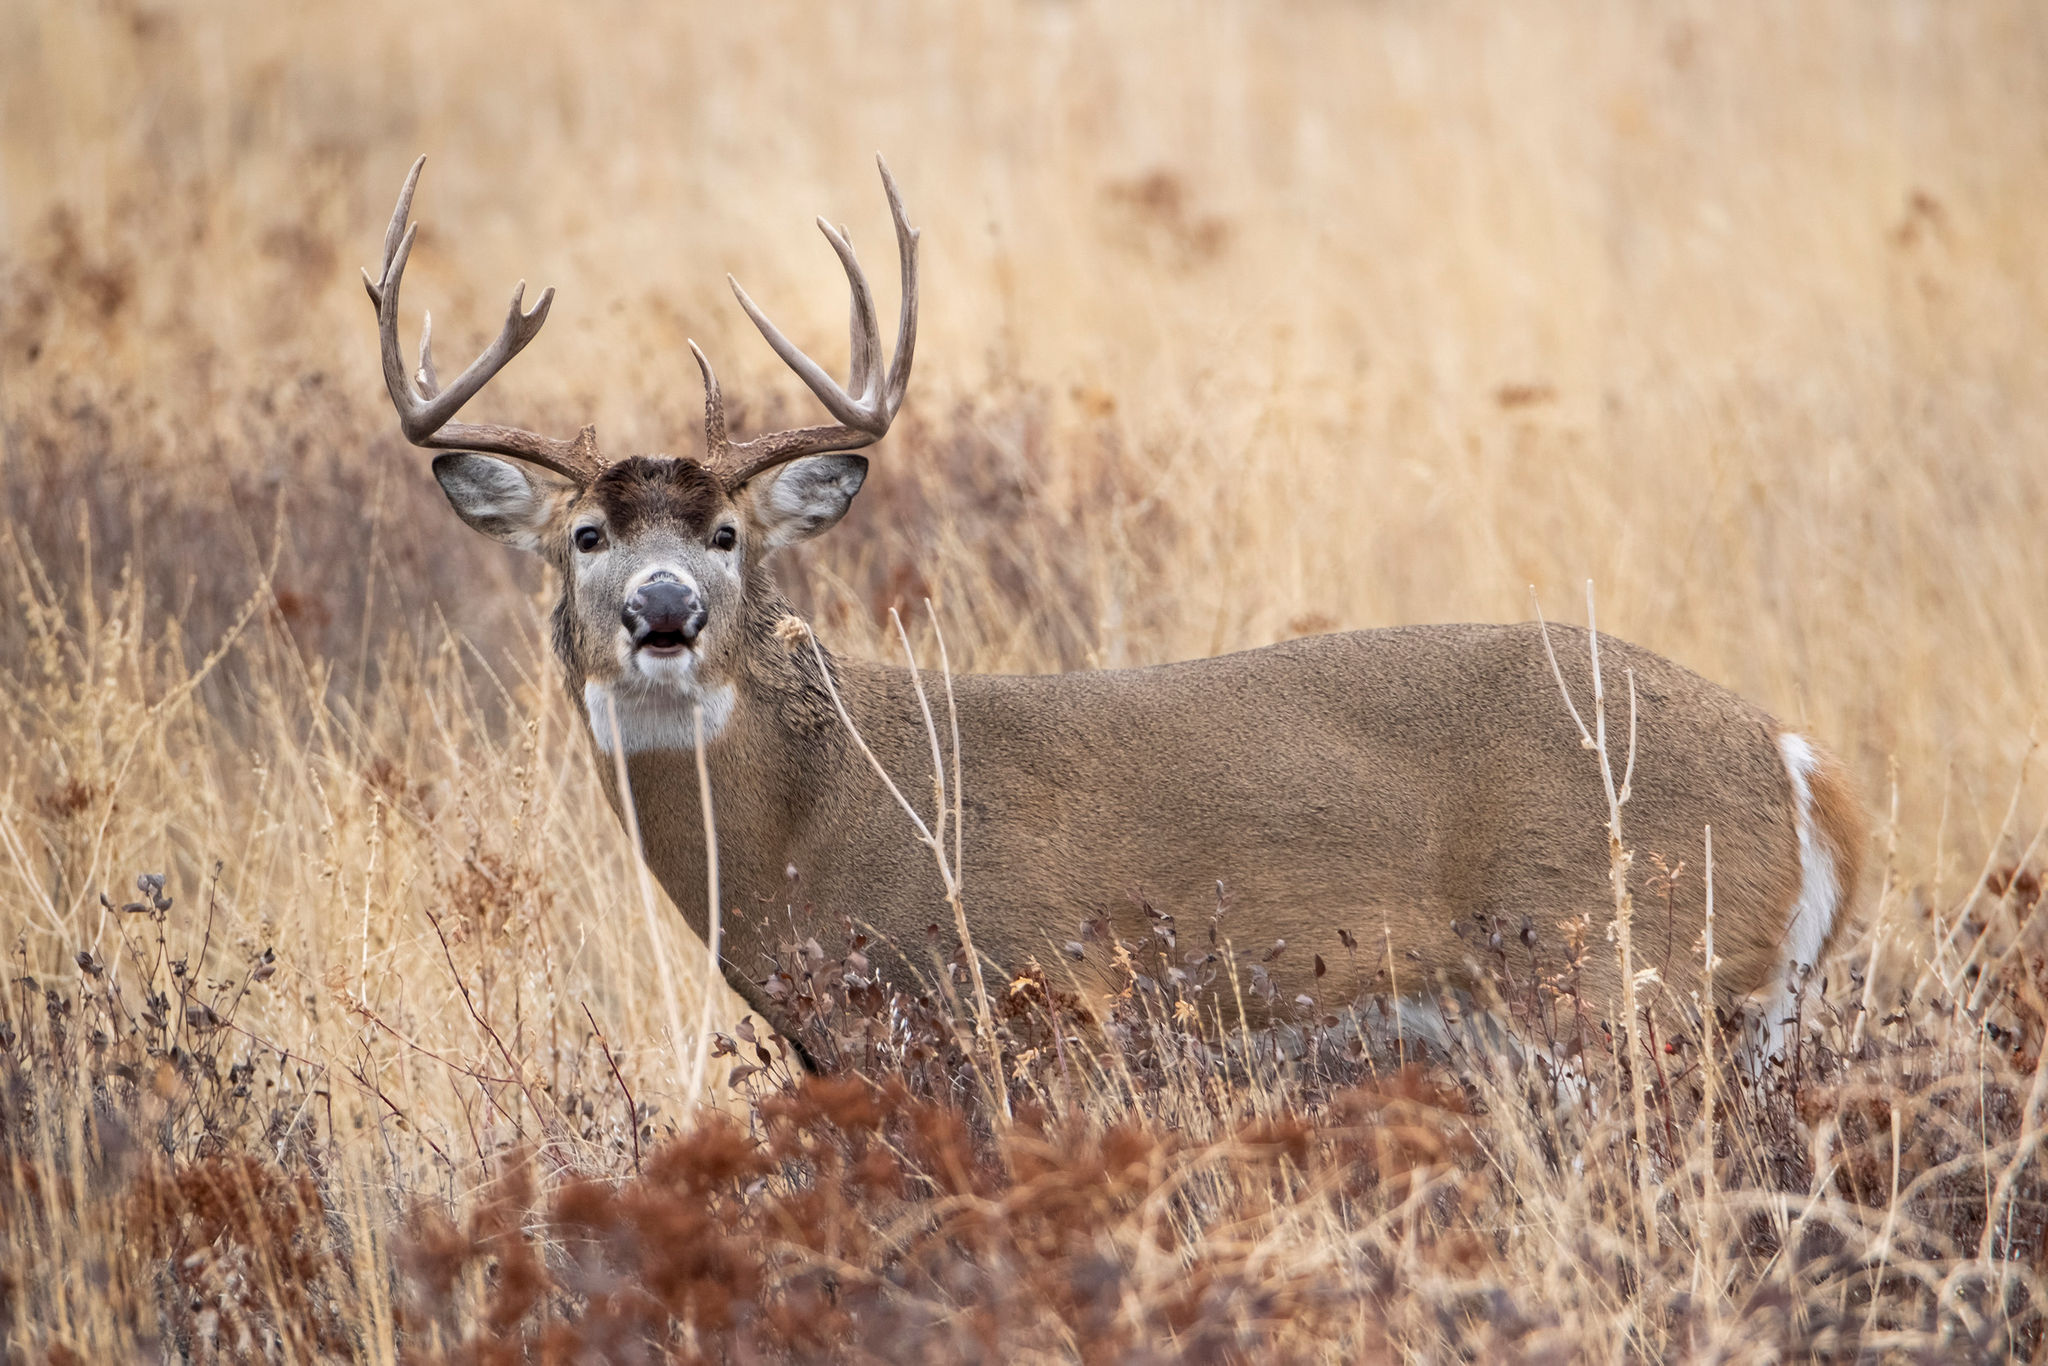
(1543,627)
(631,813)
(714,930)
(632,1110)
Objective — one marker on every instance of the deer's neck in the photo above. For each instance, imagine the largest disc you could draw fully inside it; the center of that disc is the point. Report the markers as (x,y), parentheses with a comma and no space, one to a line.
(788,783)
(769,674)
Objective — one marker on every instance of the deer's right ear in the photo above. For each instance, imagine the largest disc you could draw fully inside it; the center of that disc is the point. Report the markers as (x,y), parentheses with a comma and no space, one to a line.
(505,501)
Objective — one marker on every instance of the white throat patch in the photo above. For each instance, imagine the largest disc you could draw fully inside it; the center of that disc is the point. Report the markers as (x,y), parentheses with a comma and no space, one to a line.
(651,718)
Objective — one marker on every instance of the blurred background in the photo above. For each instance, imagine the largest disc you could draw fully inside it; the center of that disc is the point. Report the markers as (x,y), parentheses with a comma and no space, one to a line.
(1239,322)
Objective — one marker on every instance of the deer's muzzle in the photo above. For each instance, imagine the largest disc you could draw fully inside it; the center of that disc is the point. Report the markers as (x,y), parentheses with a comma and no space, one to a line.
(663,616)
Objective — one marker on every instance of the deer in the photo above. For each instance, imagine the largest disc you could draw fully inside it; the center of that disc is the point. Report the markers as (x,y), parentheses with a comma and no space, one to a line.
(1364,797)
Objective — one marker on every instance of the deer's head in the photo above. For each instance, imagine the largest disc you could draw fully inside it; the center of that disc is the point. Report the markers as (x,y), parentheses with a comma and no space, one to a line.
(663,563)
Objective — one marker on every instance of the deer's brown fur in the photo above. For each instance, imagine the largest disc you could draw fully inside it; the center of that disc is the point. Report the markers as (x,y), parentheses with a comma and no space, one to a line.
(1389,783)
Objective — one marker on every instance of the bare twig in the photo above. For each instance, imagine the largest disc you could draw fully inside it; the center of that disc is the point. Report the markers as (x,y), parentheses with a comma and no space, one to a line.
(632,1110)
(714,928)
(1884,896)
(1708,1239)
(1618,861)
(517,1068)
(933,835)
(646,883)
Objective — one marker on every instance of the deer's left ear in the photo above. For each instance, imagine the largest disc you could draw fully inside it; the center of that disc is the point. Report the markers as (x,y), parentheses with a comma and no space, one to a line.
(804,497)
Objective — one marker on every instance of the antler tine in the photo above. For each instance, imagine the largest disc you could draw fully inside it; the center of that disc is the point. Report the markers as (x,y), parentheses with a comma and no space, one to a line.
(429,384)
(906,322)
(426,417)
(520,327)
(714,408)
(837,401)
(864,337)
(395,233)
(864,414)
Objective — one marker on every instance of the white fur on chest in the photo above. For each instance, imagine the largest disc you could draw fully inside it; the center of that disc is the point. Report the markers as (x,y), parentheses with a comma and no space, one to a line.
(654,718)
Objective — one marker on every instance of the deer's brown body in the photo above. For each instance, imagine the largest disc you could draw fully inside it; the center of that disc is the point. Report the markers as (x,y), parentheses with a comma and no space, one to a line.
(1357,796)
(1391,784)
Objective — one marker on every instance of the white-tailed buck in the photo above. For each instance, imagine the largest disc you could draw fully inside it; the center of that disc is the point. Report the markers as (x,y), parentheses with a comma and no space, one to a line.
(1368,797)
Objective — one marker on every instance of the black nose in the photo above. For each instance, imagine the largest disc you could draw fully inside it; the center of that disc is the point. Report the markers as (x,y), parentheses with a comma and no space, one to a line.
(664,614)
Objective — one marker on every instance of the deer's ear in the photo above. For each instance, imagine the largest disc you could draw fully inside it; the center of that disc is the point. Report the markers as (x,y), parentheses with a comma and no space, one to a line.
(505,501)
(805,497)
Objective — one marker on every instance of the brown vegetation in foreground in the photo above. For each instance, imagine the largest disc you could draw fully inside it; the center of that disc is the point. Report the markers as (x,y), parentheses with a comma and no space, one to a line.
(1240,324)
(1187,1195)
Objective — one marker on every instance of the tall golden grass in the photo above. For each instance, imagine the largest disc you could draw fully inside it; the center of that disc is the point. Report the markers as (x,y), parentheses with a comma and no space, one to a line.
(1239,323)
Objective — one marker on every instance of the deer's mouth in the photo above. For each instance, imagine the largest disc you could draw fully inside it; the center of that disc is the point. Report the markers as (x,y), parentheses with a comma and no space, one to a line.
(662,644)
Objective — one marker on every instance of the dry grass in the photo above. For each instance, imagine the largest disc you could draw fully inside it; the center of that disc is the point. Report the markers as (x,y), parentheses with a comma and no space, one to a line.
(1240,323)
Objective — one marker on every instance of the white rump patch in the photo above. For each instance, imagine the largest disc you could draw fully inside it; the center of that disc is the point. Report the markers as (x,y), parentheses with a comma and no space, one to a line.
(1813,912)
(653,718)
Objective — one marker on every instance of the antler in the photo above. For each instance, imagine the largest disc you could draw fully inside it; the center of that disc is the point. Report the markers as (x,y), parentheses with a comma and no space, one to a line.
(424,413)
(865,414)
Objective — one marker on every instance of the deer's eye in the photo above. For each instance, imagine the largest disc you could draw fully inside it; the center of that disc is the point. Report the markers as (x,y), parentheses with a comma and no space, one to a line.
(725,538)
(588,538)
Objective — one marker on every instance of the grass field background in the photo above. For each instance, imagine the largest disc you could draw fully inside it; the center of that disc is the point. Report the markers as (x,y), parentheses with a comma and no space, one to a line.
(1239,322)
